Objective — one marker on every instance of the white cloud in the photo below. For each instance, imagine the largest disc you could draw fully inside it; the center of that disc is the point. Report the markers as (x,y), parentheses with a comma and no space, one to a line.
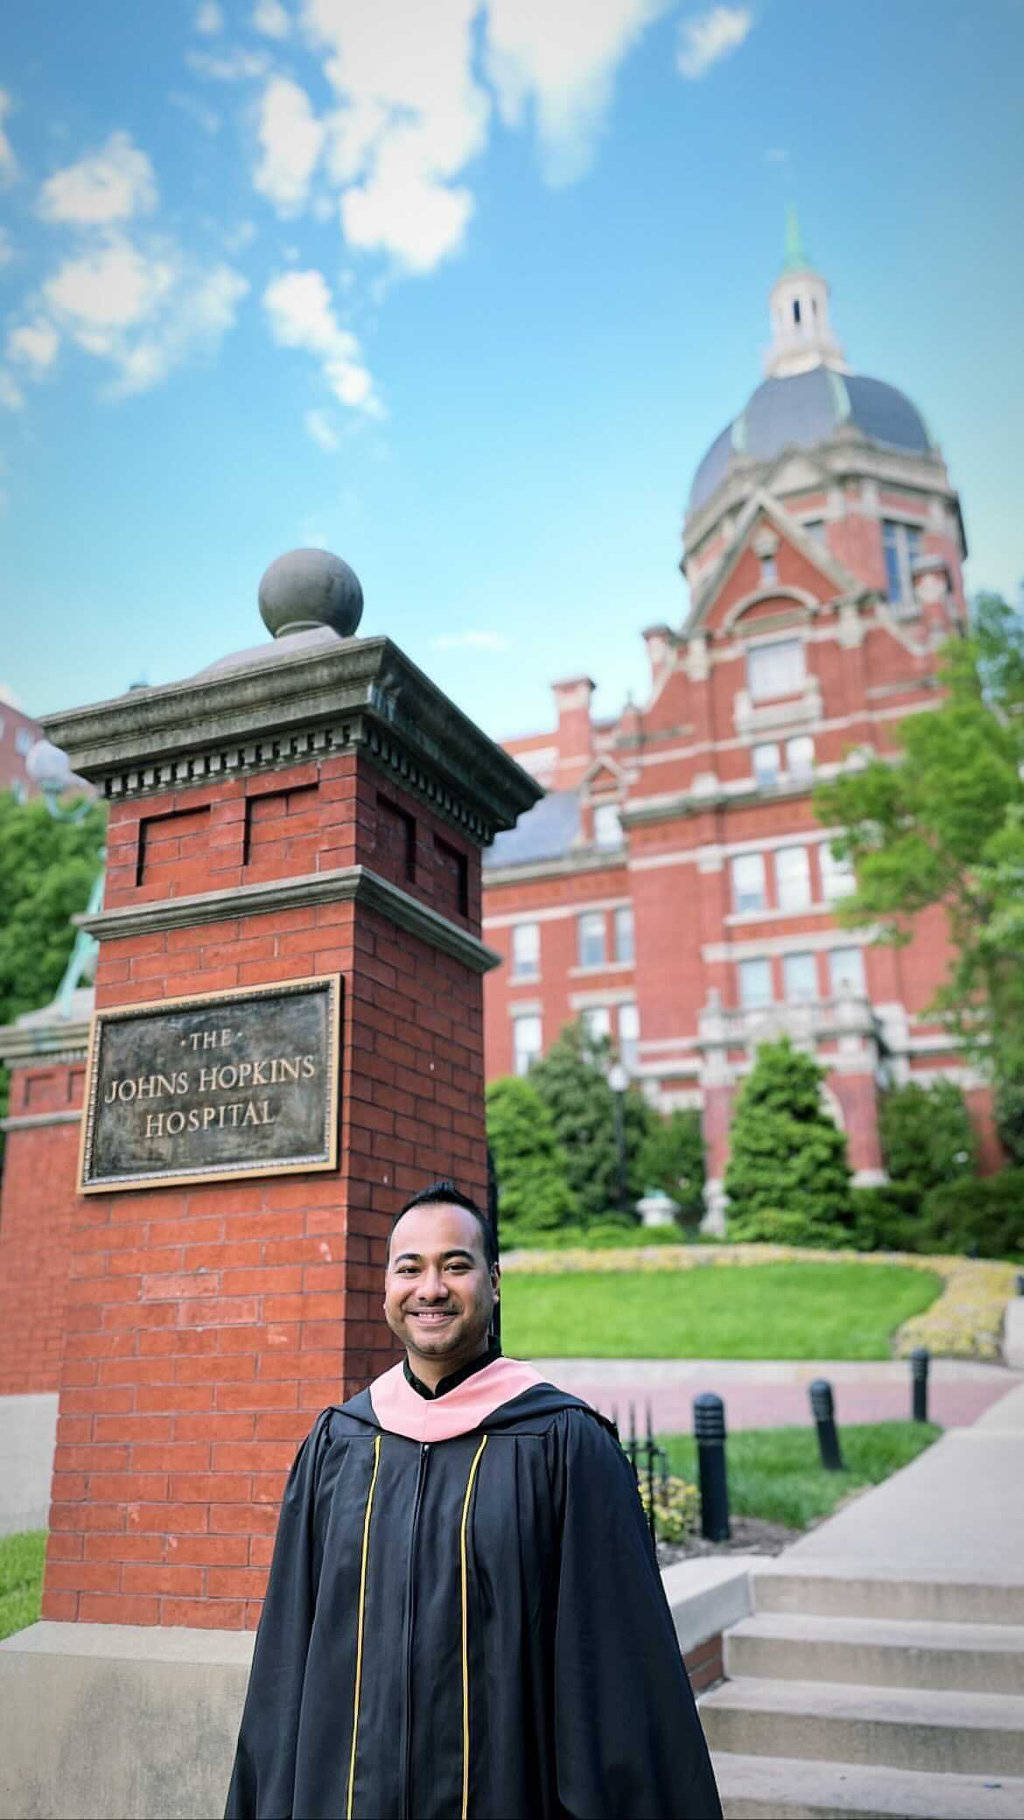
(8,162)
(12,398)
(207,118)
(301,315)
(291,139)
(9,698)
(319,427)
(34,344)
(209,19)
(270,18)
(145,311)
(233,66)
(112,184)
(410,117)
(708,37)
(472,640)
(564,59)
(238,238)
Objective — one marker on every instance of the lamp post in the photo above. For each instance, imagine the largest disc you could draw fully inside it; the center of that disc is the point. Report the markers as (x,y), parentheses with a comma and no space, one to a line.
(618,1081)
(49,767)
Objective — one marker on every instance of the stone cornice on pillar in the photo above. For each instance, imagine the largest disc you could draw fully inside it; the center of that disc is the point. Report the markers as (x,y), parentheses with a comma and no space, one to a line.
(61,1040)
(295,699)
(344,884)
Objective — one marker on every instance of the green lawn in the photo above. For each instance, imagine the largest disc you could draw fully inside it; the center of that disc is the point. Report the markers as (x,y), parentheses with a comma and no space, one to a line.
(776,1474)
(21,1579)
(764,1311)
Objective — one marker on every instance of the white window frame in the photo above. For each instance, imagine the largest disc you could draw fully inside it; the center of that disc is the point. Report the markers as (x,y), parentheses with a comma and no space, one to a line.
(597,1022)
(525,965)
(748,900)
(855,987)
(607,826)
(744,973)
(770,675)
(590,928)
(766,776)
(629,1034)
(793,878)
(800,770)
(906,544)
(523,1053)
(623,935)
(800,995)
(838,877)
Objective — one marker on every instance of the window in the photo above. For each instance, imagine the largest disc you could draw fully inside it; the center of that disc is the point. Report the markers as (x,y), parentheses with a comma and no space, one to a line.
(800,756)
(838,878)
(597,1022)
(766,765)
(526,1041)
(846,971)
(607,826)
(622,924)
(769,571)
(591,938)
(748,882)
(755,983)
(814,527)
(799,978)
(792,878)
(902,544)
(23,741)
(629,1035)
(525,950)
(776,669)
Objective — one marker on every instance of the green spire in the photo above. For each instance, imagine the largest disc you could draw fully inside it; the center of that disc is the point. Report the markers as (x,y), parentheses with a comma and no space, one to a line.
(796,259)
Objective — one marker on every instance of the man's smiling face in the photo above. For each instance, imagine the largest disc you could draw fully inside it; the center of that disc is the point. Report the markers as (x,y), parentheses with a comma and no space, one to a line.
(439,1290)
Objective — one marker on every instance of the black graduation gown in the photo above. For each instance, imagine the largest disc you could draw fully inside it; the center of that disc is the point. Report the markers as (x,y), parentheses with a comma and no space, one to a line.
(470,1628)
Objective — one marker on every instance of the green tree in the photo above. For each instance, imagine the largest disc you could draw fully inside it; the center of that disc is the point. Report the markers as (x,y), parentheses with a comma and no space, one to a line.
(571,1080)
(927,1135)
(671,1157)
(944,825)
(533,1180)
(47,870)
(787,1174)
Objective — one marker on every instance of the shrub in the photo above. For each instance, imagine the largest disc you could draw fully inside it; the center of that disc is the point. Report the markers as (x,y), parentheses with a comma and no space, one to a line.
(571,1081)
(671,1157)
(980,1218)
(927,1135)
(784,1226)
(886,1218)
(786,1152)
(533,1183)
(1009,1115)
(676,1507)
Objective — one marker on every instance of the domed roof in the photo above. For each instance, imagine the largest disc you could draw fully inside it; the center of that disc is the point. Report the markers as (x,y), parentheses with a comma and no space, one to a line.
(803,409)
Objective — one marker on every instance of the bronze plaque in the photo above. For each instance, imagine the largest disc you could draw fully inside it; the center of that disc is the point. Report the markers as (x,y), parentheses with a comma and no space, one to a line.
(225,1084)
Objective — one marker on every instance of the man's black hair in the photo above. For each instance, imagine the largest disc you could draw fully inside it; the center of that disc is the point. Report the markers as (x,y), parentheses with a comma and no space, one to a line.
(444,1193)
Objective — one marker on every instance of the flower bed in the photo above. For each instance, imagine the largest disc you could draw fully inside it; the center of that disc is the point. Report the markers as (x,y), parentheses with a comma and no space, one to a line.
(964,1323)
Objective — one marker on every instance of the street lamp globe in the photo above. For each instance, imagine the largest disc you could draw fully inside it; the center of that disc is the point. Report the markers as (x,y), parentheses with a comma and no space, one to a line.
(618,1078)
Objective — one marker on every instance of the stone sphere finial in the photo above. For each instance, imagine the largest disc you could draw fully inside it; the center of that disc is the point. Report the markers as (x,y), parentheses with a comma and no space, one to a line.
(305,589)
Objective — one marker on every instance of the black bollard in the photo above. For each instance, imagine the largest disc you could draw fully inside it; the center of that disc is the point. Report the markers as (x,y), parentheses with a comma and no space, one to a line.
(823,1411)
(1019,1282)
(920,1360)
(650,1451)
(709,1433)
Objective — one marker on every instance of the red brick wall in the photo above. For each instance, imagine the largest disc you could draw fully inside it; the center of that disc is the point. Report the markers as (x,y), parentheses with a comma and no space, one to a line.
(37,1198)
(208,1325)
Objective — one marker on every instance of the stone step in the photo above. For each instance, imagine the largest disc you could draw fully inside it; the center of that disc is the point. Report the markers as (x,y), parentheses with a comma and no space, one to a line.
(905,1728)
(841,1590)
(790,1788)
(876,1652)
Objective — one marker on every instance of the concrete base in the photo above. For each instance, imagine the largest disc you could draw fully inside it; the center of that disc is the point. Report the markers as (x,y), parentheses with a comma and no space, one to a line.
(126,1722)
(118,1720)
(1013,1334)
(28,1435)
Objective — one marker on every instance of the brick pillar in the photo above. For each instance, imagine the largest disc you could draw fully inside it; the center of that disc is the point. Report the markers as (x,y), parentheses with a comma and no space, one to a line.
(46,1056)
(315,807)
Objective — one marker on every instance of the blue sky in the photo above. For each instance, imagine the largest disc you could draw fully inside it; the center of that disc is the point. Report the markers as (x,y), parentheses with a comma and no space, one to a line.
(463,291)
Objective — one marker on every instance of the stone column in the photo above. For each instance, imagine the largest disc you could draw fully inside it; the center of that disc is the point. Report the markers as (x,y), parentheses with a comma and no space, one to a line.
(309,808)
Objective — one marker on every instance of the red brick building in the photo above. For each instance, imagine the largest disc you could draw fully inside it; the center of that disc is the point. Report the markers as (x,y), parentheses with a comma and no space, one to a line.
(674,886)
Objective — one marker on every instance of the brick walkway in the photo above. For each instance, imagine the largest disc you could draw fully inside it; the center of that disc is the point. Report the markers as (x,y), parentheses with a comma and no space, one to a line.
(770,1394)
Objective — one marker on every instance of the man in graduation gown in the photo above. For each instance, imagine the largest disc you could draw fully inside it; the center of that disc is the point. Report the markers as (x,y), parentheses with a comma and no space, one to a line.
(464,1618)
